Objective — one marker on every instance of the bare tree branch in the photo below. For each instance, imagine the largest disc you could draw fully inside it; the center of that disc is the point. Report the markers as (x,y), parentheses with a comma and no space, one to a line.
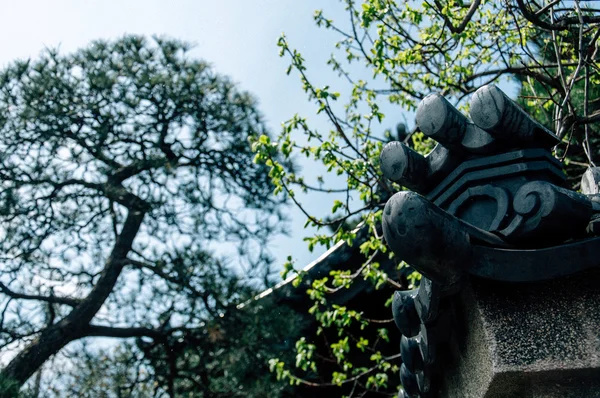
(72,302)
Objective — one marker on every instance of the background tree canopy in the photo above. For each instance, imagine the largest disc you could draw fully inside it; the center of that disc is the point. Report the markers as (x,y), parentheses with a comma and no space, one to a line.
(130,206)
(399,52)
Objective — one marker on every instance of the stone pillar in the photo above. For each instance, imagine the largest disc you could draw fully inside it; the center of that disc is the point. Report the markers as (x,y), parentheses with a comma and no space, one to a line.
(526,340)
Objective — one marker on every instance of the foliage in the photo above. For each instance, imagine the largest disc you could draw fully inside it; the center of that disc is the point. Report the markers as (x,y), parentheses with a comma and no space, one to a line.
(226,358)
(119,371)
(408,50)
(230,358)
(9,387)
(581,138)
(130,207)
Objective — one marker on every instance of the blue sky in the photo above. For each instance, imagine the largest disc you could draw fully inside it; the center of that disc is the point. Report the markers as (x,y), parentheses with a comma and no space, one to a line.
(238,37)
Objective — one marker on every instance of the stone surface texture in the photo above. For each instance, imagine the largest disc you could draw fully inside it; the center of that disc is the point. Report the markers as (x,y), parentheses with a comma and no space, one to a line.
(527,340)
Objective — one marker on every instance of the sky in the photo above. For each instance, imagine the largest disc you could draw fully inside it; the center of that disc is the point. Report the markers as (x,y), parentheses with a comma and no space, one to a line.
(238,37)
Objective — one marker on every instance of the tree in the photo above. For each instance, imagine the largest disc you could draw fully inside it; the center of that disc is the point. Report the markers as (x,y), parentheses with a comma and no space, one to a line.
(129,203)
(226,358)
(119,371)
(230,359)
(408,50)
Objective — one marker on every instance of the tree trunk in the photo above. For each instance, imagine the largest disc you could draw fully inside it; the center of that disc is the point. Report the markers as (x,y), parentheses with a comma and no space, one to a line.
(74,325)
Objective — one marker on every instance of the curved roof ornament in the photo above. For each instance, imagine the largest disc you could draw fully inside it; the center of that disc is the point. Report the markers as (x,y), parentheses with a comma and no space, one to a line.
(489,200)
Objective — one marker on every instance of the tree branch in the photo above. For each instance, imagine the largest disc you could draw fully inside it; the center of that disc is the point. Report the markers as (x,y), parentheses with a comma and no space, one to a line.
(463,24)
(137,167)
(72,302)
(73,326)
(111,190)
(594,117)
(561,24)
(108,331)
